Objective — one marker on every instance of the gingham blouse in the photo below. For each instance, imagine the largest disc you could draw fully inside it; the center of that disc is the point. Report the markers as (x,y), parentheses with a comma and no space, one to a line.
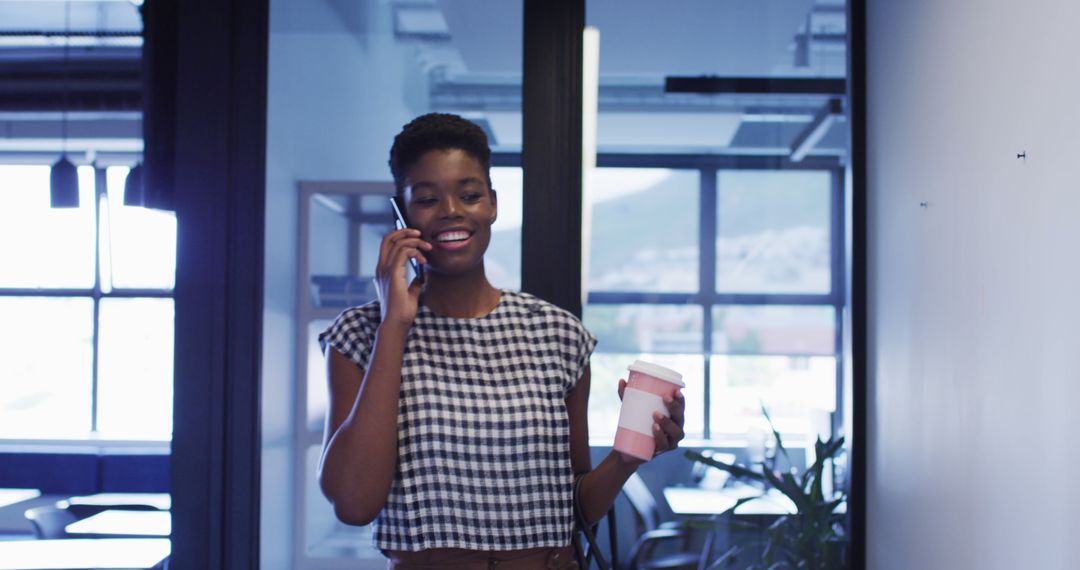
(483,433)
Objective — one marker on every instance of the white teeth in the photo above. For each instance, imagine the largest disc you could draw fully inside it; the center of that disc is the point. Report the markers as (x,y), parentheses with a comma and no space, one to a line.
(452,236)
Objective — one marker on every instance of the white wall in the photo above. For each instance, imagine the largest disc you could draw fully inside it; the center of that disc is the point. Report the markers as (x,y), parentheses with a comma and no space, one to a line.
(973,299)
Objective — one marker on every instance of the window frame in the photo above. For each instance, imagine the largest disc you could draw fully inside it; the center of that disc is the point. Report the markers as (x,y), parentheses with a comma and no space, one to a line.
(96,294)
(706,297)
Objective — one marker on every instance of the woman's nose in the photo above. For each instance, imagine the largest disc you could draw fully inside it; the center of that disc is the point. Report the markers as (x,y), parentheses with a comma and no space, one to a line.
(451,207)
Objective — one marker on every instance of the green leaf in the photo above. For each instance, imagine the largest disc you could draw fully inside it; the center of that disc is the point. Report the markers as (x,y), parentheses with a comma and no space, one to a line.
(776,434)
(736,470)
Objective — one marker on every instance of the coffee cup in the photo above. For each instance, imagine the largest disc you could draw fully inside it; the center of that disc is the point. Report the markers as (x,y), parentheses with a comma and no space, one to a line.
(646,387)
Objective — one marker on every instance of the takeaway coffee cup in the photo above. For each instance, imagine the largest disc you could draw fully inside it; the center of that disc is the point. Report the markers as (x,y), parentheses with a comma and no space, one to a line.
(646,388)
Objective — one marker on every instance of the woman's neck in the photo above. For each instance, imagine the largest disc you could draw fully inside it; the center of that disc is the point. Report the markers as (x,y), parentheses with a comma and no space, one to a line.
(468,295)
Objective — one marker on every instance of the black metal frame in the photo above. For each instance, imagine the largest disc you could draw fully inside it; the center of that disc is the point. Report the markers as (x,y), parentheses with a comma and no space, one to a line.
(219,150)
(551,151)
(859,353)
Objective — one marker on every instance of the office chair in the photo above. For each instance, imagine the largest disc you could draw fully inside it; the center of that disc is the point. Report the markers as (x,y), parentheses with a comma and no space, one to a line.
(652,533)
(50,521)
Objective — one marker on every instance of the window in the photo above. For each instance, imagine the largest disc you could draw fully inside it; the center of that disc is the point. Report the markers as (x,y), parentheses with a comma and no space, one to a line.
(725,269)
(86,298)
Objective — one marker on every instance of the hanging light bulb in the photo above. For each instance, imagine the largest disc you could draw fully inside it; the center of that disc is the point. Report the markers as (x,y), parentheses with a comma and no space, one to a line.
(134,195)
(64,179)
(64,184)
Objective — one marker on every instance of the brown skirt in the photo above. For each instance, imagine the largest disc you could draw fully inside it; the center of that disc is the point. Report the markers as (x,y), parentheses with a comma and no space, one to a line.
(461,559)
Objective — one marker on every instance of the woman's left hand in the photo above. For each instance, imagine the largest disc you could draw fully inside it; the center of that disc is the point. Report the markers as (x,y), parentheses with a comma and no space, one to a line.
(667,431)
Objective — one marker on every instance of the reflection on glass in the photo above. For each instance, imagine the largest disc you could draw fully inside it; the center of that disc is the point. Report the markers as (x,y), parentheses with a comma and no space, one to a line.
(135,368)
(43,246)
(141,244)
(774,329)
(669,335)
(773,234)
(45,364)
(793,389)
(644,230)
(502,263)
(608,368)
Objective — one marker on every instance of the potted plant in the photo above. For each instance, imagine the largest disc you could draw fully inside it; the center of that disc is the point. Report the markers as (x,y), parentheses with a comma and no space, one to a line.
(813,537)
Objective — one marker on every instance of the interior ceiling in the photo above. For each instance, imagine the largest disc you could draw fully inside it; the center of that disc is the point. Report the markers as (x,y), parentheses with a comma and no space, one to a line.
(644,37)
(471,51)
(641,43)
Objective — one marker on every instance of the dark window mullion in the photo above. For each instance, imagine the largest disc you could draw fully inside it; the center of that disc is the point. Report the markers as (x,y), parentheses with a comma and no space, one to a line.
(100,190)
(707,230)
(838,233)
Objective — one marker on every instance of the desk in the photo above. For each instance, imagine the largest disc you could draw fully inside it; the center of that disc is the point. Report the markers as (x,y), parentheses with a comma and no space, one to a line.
(694,501)
(83,553)
(160,501)
(123,523)
(9,497)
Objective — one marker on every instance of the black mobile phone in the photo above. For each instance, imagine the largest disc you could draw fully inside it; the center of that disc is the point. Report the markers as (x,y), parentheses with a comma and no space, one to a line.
(401,223)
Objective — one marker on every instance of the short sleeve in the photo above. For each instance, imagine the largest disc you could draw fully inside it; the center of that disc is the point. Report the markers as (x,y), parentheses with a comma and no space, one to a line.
(353,333)
(586,342)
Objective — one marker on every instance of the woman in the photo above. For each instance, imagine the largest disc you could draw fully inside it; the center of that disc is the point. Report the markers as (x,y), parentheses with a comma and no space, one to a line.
(457,410)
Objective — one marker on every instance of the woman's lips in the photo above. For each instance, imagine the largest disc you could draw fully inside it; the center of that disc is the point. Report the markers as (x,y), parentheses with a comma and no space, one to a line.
(452,240)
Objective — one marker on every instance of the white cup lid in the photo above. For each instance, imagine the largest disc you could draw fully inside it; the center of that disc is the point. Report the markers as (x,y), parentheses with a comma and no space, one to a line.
(657,371)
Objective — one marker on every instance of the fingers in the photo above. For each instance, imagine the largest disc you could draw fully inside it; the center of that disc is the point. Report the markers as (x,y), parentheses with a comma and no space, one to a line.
(404,251)
(398,246)
(668,431)
(676,406)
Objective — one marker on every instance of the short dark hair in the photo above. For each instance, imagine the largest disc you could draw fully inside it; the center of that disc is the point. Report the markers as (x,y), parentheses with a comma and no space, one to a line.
(437,131)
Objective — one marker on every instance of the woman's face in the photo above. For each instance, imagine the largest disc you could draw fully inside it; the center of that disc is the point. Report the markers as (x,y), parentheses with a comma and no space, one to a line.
(448,199)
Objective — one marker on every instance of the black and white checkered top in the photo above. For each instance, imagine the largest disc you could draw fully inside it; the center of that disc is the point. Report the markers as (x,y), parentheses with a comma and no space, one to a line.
(483,433)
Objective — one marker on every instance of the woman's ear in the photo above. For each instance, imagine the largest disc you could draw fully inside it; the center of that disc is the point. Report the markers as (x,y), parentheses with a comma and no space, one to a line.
(494,205)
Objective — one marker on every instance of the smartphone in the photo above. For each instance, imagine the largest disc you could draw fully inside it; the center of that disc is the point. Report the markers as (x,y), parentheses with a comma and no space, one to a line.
(401,223)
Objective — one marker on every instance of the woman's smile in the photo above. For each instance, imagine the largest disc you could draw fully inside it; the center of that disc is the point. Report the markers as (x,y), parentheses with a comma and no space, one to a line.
(452,239)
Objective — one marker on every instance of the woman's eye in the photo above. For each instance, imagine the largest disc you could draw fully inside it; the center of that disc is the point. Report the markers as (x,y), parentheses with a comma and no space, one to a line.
(471,196)
(424,201)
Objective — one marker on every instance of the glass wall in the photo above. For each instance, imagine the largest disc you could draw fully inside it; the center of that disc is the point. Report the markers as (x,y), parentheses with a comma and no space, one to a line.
(714,232)
(344,77)
(714,227)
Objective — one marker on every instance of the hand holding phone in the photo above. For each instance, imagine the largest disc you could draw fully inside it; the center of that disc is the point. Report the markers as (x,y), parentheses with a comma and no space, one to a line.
(401,223)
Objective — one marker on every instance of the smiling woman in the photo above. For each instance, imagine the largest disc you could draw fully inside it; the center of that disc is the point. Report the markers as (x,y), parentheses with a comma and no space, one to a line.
(453,402)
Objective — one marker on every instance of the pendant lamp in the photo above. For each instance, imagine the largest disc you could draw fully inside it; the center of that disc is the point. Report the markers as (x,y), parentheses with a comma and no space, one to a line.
(133,187)
(64,179)
(64,184)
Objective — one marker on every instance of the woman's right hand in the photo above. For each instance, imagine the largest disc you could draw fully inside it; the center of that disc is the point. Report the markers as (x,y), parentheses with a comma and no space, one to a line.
(399,300)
